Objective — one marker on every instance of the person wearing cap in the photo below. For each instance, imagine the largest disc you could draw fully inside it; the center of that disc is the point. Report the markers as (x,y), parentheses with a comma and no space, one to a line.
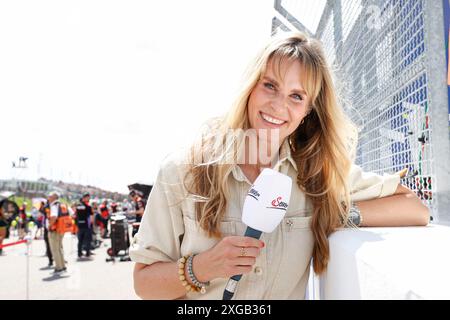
(55,238)
(83,220)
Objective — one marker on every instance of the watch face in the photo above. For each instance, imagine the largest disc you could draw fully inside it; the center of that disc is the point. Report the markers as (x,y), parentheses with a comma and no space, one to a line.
(354,216)
(356,221)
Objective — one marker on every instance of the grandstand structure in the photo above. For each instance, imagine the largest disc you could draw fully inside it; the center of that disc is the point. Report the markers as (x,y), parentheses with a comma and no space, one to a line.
(41,187)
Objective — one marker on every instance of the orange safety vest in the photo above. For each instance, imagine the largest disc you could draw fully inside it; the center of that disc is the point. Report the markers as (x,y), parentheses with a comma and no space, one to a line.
(64,223)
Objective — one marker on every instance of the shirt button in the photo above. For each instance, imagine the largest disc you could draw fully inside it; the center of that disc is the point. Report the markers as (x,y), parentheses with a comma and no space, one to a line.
(258,271)
(289,223)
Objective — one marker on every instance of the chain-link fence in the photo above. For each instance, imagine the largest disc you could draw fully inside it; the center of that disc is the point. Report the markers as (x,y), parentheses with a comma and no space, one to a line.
(389,60)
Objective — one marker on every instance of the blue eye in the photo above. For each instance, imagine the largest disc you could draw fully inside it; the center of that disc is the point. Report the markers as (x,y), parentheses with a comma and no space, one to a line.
(297,97)
(268,85)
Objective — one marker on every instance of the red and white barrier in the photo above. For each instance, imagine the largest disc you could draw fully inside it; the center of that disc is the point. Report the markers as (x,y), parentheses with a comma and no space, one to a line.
(12,244)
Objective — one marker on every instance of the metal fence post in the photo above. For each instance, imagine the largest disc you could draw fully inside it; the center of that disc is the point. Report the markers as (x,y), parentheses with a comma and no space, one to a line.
(337,10)
(28,238)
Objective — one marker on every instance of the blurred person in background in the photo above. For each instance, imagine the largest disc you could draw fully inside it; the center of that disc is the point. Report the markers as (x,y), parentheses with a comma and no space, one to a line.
(96,225)
(127,208)
(114,208)
(55,238)
(139,204)
(139,207)
(22,222)
(104,217)
(38,218)
(3,228)
(45,211)
(8,214)
(72,208)
(83,220)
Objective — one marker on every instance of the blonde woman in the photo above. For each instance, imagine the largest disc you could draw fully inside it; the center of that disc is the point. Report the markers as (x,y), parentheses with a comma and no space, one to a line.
(191,236)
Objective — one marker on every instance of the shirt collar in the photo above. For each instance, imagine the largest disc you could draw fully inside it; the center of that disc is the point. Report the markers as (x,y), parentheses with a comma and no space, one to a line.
(284,155)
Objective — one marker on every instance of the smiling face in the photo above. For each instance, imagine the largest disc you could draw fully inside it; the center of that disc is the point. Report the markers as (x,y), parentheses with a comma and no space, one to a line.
(278,101)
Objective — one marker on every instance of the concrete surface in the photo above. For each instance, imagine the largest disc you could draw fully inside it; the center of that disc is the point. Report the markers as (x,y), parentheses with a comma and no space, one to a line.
(84,279)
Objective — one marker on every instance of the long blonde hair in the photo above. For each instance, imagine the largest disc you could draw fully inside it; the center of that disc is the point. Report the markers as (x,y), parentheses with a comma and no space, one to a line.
(320,146)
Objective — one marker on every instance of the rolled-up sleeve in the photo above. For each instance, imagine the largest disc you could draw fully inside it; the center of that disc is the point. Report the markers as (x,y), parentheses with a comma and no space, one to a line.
(369,185)
(161,228)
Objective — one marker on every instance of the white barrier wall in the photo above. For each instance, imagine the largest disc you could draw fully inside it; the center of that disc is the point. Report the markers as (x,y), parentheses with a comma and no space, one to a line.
(387,263)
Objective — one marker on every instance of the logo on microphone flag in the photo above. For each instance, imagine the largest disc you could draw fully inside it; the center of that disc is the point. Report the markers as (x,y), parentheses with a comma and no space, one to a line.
(254,193)
(278,203)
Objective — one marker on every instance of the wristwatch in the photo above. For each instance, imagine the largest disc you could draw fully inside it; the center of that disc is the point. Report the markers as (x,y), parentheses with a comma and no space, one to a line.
(355,215)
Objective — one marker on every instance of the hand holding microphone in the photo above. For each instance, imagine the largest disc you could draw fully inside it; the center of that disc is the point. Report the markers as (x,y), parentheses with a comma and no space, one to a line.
(230,256)
(264,208)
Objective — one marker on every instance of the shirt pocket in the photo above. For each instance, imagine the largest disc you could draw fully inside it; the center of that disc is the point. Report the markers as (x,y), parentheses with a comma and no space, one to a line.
(296,247)
(297,222)
(196,240)
(302,213)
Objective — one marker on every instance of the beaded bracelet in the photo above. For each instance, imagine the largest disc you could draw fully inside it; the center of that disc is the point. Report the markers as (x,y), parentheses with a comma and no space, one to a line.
(193,278)
(182,277)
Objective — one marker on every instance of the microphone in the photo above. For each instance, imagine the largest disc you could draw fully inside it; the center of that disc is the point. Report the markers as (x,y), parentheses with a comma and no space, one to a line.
(265,205)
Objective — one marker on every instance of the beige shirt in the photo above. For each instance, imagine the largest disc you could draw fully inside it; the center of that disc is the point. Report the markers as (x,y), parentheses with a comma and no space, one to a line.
(168,229)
